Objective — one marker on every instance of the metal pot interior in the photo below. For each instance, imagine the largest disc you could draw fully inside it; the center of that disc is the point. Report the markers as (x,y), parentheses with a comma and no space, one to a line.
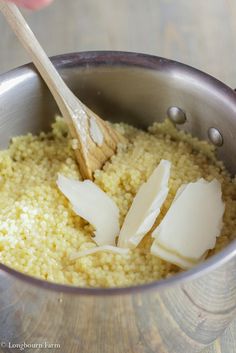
(134,88)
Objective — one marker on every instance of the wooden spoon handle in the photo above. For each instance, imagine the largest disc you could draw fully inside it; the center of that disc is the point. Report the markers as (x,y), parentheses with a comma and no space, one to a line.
(96,138)
(62,94)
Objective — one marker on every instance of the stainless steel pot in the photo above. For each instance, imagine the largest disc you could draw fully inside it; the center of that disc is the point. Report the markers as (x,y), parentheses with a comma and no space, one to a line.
(180,314)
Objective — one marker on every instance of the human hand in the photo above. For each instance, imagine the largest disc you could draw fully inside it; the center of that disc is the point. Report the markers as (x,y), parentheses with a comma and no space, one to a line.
(31,4)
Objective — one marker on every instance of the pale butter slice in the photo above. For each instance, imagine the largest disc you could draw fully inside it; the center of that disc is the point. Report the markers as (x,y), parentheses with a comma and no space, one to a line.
(96,132)
(145,207)
(175,259)
(191,225)
(94,205)
(106,248)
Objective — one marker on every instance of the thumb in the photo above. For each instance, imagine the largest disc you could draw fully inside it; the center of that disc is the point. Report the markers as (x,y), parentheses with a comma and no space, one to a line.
(31,4)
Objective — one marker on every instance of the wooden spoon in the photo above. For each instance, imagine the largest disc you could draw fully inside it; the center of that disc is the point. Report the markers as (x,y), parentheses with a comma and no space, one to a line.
(97,141)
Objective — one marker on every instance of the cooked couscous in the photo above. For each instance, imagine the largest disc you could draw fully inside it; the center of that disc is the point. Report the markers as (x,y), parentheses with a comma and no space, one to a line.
(39,230)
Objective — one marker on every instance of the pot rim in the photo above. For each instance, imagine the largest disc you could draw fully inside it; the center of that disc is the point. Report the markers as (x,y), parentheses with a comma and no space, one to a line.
(139,60)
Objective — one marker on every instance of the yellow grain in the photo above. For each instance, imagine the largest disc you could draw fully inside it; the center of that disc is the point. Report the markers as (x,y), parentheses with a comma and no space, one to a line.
(39,230)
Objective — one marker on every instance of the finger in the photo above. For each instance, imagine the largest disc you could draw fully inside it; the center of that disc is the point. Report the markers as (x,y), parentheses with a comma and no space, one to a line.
(31,4)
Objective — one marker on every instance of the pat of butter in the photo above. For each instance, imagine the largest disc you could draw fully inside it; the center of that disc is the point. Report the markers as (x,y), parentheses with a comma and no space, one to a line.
(94,205)
(145,207)
(95,132)
(191,225)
